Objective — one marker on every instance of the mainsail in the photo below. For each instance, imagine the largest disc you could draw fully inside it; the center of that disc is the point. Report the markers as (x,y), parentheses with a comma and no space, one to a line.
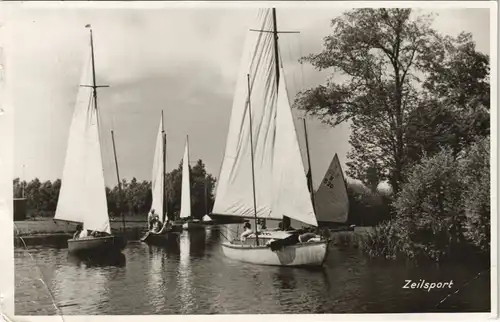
(281,187)
(234,190)
(82,197)
(158,182)
(332,203)
(186,185)
(291,196)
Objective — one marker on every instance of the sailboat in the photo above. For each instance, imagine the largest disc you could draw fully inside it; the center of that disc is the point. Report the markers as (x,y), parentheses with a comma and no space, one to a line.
(332,202)
(82,197)
(207,220)
(262,173)
(185,214)
(158,187)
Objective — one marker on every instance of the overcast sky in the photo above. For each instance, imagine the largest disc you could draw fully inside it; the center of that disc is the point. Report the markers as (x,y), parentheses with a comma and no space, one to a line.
(182,60)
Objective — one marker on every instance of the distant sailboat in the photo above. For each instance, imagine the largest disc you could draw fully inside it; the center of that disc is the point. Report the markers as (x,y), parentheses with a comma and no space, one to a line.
(207,220)
(332,202)
(82,197)
(185,214)
(262,150)
(158,174)
(158,187)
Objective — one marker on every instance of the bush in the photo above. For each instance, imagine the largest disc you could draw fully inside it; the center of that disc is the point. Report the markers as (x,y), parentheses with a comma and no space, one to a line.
(475,170)
(430,208)
(367,208)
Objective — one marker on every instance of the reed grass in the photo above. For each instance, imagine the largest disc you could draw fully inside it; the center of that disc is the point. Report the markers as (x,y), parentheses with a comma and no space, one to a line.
(351,239)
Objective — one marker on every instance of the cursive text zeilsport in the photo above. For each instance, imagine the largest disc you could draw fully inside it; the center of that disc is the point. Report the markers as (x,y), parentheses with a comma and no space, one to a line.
(422,284)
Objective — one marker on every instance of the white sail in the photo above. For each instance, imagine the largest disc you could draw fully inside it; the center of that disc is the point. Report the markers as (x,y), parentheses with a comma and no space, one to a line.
(332,202)
(234,194)
(291,196)
(82,197)
(186,185)
(157,183)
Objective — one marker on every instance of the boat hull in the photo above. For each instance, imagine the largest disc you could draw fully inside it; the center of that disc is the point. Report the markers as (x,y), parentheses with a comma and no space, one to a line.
(310,254)
(96,245)
(190,225)
(161,239)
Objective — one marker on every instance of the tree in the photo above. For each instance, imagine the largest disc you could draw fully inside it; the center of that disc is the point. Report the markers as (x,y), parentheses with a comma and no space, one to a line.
(199,177)
(376,50)
(458,83)
(33,194)
(54,194)
(17,193)
(45,194)
(400,79)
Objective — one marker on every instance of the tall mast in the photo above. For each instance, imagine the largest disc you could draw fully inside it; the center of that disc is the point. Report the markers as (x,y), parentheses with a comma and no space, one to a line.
(206,196)
(309,176)
(189,176)
(276,52)
(286,220)
(251,153)
(164,158)
(94,85)
(119,181)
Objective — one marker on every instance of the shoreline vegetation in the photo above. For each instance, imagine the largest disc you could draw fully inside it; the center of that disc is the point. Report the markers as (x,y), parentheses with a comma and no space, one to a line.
(418,106)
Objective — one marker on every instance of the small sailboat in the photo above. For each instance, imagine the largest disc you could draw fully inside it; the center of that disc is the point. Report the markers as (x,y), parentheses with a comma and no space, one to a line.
(207,220)
(82,197)
(185,214)
(332,202)
(158,188)
(262,174)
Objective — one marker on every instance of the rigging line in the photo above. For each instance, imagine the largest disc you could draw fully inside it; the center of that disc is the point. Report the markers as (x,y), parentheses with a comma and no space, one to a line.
(293,74)
(301,63)
(461,287)
(222,234)
(41,274)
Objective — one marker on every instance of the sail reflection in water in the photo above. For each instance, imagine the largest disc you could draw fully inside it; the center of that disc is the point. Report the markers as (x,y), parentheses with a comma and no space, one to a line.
(184,273)
(156,281)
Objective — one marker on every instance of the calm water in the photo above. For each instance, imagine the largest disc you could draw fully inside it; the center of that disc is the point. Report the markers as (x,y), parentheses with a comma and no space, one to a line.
(192,276)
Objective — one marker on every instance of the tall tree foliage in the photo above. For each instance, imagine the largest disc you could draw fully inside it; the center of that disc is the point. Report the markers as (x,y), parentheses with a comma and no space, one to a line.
(396,86)
(199,178)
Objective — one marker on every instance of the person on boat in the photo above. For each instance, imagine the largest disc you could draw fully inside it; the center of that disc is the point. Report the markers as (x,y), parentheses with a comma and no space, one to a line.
(247,231)
(167,226)
(96,233)
(157,225)
(151,216)
(79,229)
(280,226)
(296,237)
(84,233)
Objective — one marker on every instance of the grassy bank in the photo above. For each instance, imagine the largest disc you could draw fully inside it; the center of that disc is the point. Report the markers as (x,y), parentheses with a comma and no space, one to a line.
(44,226)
